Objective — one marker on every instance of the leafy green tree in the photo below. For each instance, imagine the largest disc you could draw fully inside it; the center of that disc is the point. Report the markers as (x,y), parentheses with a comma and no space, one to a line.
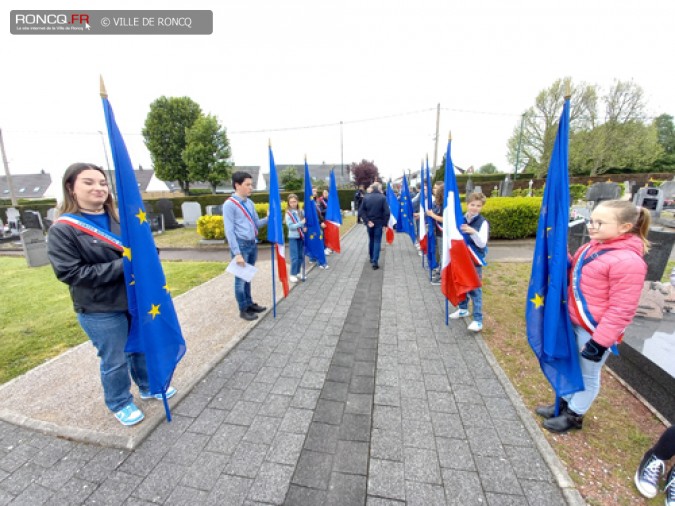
(290,180)
(666,138)
(164,134)
(207,154)
(540,123)
(488,168)
(364,173)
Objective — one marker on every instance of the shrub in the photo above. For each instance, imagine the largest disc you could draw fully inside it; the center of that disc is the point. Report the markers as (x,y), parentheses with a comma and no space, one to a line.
(211,227)
(512,217)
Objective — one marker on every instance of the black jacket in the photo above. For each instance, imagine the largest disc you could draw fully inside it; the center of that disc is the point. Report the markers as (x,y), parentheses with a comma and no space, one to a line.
(91,268)
(374,208)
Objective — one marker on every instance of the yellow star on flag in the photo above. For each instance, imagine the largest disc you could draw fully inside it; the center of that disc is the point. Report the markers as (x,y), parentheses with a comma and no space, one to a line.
(538,301)
(154,311)
(126,253)
(133,280)
(141,217)
(166,287)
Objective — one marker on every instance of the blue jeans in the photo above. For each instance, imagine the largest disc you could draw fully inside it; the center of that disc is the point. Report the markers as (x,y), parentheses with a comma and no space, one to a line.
(580,402)
(108,333)
(296,246)
(374,243)
(477,297)
(242,289)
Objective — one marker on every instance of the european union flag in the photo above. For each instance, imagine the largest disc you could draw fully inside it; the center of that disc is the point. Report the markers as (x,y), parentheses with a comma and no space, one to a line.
(314,235)
(549,329)
(275,234)
(155,330)
(407,220)
(431,224)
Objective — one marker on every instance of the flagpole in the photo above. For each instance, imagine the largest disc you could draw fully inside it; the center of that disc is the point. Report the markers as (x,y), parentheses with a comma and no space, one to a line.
(274,288)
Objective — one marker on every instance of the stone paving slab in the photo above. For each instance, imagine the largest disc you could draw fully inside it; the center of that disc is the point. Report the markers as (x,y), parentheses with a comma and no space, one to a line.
(357,393)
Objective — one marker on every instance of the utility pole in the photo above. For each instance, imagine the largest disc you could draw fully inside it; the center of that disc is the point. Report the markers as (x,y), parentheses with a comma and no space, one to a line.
(10,185)
(520,142)
(107,162)
(438,119)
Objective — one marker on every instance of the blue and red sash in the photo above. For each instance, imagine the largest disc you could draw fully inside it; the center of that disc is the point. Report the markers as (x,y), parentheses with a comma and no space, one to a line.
(295,220)
(246,212)
(579,305)
(92,229)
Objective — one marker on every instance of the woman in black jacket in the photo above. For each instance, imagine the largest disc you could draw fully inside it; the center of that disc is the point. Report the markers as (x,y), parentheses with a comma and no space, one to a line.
(85,251)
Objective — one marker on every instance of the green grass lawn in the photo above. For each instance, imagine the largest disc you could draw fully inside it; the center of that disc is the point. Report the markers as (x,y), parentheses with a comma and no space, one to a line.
(36,314)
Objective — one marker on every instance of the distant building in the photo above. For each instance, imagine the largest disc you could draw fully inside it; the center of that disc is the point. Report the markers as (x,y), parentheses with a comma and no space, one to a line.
(26,186)
(226,187)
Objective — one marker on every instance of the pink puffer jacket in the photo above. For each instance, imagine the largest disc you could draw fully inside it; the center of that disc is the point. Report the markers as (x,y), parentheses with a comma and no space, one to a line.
(611,284)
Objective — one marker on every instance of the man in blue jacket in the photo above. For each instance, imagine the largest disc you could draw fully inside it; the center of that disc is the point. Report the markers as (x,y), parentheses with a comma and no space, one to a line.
(374,212)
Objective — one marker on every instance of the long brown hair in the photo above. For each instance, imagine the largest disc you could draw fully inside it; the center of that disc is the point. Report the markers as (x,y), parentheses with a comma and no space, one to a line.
(69,204)
(639,217)
(438,196)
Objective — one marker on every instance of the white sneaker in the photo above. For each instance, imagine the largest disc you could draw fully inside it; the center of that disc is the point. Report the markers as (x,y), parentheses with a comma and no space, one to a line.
(460,313)
(324,266)
(293,279)
(475,326)
(327,251)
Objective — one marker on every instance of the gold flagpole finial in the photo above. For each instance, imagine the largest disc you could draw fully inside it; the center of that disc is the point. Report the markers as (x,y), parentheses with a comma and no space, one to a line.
(305,157)
(568,89)
(449,135)
(269,143)
(104,94)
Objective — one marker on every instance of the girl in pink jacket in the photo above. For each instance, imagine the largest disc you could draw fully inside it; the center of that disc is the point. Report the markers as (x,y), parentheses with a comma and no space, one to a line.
(606,281)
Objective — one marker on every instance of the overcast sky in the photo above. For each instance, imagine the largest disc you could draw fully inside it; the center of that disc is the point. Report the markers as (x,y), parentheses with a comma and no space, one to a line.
(298,63)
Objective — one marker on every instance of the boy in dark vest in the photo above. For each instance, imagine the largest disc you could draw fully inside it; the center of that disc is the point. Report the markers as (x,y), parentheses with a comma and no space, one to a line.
(476,231)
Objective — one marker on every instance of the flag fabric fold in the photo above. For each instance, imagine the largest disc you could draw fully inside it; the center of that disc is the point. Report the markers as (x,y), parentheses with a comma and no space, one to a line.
(423,238)
(549,328)
(333,218)
(393,215)
(275,231)
(406,218)
(154,330)
(458,274)
(314,245)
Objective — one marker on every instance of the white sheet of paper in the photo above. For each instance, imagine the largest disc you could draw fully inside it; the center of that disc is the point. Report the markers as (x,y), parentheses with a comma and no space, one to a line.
(246,273)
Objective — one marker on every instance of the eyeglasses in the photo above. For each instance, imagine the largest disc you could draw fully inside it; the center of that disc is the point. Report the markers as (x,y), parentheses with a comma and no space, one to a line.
(597,224)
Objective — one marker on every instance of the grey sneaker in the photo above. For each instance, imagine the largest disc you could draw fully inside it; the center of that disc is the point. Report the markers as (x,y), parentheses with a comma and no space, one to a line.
(648,475)
(670,487)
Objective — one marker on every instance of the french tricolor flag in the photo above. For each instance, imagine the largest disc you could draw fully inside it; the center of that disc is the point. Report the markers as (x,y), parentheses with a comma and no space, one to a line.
(275,233)
(331,234)
(423,216)
(394,209)
(458,274)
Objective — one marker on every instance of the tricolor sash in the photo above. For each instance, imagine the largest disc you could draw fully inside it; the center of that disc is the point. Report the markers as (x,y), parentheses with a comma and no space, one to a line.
(295,220)
(246,212)
(579,305)
(92,229)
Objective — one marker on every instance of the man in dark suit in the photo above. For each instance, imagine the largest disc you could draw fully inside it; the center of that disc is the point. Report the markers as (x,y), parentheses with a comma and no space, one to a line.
(374,212)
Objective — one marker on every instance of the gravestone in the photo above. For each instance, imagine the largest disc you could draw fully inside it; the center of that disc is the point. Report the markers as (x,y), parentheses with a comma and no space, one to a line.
(650,198)
(599,192)
(478,189)
(580,212)
(668,189)
(34,247)
(529,188)
(192,211)
(51,217)
(32,219)
(156,221)
(214,210)
(662,244)
(14,221)
(469,187)
(506,187)
(577,235)
(165,207)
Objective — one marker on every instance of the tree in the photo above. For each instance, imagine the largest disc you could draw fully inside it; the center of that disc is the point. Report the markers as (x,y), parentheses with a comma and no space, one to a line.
(488,168)
(540,123)
(164,134)
(365,173)
(665,131)
(207,153)
(290,179)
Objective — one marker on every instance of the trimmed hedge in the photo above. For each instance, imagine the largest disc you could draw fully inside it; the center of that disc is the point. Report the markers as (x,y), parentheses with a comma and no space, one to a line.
(512,217)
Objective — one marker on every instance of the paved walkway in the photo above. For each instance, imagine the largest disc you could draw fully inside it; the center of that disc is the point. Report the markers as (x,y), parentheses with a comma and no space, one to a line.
(357,393)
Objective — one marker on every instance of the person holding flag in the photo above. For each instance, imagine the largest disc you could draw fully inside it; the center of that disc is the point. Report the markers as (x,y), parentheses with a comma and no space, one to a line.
(394,208)
(314,246)
(86,252)
(275,234)
(375,214)
(295,222)
(241,229)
